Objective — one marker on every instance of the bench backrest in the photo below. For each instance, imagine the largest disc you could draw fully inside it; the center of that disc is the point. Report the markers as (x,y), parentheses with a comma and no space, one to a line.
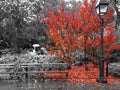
(59,66)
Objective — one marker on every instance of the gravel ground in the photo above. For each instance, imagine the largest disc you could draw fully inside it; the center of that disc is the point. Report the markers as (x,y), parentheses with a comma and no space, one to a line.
(54,85)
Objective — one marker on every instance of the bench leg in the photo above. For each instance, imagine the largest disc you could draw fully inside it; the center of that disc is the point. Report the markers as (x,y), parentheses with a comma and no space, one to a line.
(26,74)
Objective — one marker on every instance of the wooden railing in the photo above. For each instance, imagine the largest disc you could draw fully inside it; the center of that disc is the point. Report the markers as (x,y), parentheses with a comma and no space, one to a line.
(33,68)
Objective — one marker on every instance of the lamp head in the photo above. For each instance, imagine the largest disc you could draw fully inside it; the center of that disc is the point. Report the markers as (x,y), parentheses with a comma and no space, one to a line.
(102,7)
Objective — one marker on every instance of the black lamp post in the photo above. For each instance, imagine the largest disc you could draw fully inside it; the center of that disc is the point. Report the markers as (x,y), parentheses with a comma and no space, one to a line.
(101,9)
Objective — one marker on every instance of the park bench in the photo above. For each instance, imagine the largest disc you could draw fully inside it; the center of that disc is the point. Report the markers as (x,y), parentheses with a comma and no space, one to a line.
(44,68)
(25,69)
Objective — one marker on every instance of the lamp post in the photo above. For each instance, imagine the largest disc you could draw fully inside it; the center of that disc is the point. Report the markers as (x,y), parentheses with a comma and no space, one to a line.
(101,9)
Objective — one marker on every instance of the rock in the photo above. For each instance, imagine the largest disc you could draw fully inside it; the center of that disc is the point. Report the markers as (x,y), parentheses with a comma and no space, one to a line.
(32,53)
(114,69)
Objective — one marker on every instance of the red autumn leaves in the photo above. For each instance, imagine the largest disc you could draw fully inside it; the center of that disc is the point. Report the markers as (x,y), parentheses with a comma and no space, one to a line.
(78,74)
(78,31)
(72,32)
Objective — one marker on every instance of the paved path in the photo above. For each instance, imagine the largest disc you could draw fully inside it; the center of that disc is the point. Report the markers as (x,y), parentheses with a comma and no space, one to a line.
(54,85)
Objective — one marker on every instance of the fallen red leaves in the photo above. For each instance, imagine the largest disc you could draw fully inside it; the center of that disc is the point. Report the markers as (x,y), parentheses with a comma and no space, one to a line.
(78,74)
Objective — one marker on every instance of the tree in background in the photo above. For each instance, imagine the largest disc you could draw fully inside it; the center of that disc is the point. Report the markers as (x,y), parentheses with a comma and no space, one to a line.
(15,20)
(22,19)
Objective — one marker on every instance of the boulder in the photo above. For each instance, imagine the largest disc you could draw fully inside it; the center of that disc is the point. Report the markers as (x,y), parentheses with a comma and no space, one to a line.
(114,69)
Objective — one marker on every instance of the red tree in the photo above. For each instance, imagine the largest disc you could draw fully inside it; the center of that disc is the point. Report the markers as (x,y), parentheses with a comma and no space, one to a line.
(62,31)
(71,32)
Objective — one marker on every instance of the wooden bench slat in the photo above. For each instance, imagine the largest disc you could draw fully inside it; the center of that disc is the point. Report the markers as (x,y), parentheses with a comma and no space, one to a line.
(55,67)
(7,67)
(6,72)
(32,64)
(42,72)
(33,72)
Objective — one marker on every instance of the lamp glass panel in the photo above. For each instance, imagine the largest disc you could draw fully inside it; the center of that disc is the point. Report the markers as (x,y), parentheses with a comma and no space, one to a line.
(119,9)
(103,9)
(118,5)
(98,10)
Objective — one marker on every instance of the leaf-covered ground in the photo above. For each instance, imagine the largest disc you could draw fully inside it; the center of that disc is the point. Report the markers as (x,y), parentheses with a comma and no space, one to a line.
(78,74)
